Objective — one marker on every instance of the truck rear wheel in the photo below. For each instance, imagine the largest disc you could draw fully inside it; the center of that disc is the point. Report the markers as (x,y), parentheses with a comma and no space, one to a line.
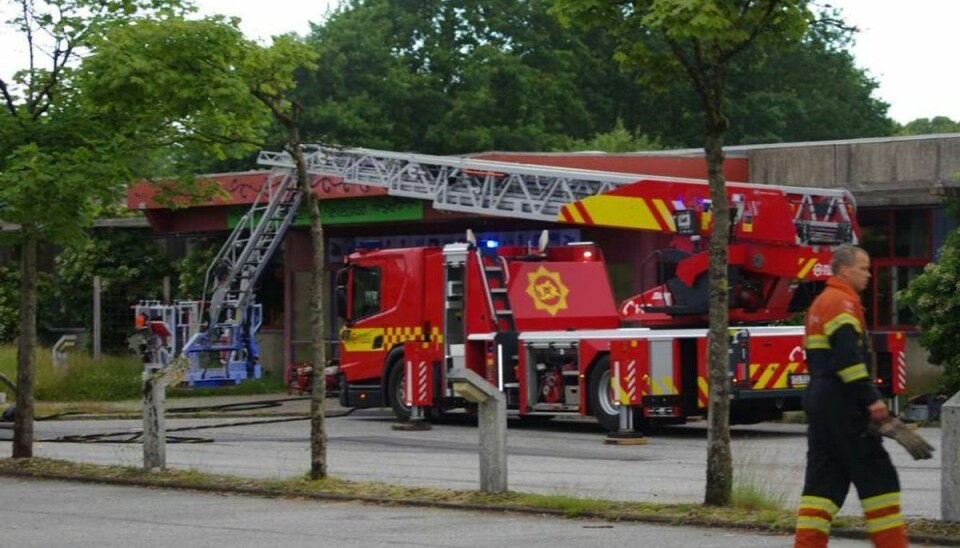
(600,398)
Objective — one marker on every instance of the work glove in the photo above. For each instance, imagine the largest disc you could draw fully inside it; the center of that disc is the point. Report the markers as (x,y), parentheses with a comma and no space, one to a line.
(894,429)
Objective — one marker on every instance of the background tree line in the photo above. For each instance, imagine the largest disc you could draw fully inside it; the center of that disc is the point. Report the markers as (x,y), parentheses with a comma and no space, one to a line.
(457,76)
(460,76)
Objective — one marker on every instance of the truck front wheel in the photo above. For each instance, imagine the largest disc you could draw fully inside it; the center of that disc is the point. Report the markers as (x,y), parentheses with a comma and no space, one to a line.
(600,398)
(395,386)
(396,383)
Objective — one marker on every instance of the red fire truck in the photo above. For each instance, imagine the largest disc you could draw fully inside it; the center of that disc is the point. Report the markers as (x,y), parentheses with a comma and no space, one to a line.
(540,322)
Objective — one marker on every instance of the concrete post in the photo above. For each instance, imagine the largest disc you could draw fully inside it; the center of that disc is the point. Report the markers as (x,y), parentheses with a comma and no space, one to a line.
(493,426)
(493,445)
(950,459)
(154,427)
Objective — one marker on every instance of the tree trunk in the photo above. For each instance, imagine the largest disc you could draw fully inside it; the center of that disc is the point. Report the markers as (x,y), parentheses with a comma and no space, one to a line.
(26,347)
(318,432)
(719,461)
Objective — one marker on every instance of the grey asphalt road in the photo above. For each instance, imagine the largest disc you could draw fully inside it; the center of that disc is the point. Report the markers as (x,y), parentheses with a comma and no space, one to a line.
(556,459)
(48,514)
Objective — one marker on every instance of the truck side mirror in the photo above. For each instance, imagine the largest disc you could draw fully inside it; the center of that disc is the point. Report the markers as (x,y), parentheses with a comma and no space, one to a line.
(341,304)
(340,294)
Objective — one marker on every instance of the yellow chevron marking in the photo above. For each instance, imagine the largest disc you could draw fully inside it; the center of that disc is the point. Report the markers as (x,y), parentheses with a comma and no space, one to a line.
(665,214)
(806,269)
(704,390)
(655,388)
(619,394)
(669,387)
(574,214)
(621,211)
(768,371)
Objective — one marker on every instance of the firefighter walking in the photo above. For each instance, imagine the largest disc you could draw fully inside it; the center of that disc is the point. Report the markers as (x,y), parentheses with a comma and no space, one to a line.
(847,416)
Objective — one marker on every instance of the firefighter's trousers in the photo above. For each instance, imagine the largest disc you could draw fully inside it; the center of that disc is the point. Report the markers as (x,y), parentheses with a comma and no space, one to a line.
(841,452)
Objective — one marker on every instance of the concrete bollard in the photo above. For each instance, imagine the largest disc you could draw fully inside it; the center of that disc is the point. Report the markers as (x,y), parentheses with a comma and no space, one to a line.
(950,459)
(493,445)
(492,425)
(156,378)
(154,426)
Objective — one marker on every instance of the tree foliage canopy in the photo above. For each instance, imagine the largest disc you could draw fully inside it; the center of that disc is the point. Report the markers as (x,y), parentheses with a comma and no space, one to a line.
(454,76)
(926,126)
(60,157)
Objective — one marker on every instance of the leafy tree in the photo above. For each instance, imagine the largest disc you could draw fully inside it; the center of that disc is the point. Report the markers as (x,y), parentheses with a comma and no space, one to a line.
(451,76)
(697,40)
(255,82)
(192,268)
(619,139)
(131,268)
(934,297)
(10,302)
(269,73)
(926,126)
(71,135)
(806,90)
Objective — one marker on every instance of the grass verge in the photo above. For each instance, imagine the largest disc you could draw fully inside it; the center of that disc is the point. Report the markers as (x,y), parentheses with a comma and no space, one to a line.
(767,520)
(755,487)
(109,379)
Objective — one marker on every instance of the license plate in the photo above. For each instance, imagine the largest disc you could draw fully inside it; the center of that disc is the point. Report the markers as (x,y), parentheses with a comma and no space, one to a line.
(799,381)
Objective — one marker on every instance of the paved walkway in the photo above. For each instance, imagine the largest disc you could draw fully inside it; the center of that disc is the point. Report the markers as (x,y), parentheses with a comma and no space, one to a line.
(44,514)
(564,459)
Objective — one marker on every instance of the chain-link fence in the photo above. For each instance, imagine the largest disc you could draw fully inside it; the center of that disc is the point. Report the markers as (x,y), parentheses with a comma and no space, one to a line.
(104,325)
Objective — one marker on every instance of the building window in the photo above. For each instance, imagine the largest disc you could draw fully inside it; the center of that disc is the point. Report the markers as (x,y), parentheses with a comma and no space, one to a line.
(900,245)
(888,281)
(911,233)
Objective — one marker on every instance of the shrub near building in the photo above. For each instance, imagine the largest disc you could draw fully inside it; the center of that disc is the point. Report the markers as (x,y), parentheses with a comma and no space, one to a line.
(934,296)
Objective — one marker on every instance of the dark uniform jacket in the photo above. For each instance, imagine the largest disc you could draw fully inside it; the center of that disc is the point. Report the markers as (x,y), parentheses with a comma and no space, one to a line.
(838,350)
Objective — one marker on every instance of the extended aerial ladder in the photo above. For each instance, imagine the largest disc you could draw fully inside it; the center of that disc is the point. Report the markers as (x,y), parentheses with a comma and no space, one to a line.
(547,193)
(780,235)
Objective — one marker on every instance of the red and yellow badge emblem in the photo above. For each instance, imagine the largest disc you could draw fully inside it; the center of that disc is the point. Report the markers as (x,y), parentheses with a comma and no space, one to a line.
(547,291)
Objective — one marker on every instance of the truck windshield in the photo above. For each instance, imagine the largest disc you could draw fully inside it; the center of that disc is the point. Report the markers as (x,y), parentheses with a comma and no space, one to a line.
(366,291)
